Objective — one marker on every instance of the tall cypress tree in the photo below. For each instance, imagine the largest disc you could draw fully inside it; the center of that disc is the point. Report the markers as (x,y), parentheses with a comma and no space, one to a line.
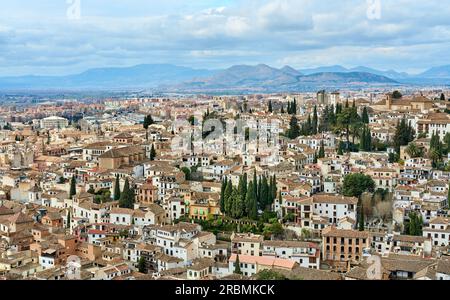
(127,196)
(260,193)
(237,206)
(274,187)
(448,196)
(265,191)
(365,116)
(270,109)
(251,203)
(237,266)
(222,194)
(227,200)
(368,140)
(152,152)
(117,189)
(315,121)
(294,128)
(73,187)
(322,150)
(361,219)
(68,221)
(362,144)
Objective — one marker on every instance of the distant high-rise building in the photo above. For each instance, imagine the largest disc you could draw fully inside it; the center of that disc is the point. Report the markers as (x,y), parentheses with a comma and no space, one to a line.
(322,97)
(334,98)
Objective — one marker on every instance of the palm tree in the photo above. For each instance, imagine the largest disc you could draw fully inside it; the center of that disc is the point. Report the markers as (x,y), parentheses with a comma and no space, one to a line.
(414,151)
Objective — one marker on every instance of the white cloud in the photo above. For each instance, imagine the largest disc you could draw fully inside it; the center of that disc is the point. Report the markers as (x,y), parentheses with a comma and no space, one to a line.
(411,34)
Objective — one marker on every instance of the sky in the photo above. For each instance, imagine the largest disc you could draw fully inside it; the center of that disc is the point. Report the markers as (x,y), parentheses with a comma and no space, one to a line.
(57,37)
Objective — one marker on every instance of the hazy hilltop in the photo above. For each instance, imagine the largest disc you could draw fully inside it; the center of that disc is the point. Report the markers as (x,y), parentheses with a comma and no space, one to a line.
(239,77)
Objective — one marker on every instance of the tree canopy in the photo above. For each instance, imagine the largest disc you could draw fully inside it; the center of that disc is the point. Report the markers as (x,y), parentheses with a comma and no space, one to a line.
(356,184)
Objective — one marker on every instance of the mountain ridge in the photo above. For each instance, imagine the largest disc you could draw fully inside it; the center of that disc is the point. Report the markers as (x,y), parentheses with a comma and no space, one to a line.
(259,77)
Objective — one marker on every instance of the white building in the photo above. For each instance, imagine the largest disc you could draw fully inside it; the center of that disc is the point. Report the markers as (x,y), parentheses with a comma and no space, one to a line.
(54,122)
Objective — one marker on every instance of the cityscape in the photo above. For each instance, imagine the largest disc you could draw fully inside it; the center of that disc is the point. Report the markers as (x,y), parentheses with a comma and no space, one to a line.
(115,166)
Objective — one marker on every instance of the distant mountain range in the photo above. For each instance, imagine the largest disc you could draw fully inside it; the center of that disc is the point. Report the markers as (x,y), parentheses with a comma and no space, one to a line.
(166,77)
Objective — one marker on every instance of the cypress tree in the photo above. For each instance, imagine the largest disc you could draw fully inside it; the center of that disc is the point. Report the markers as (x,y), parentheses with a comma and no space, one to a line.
(260,198)
(289,107)
(141,265)
(222,194)
(368,140)
(68,220)
(322,150)
(270,106)
(294,128)
(237,206)
(237,266)
(227,200)
(251,203)
(362,144)
(274,187)
(282,109)
(309,126)
(361,219)
(152,152)
(73,187)
(315,121)
(365,116)
(448,196)
(127,196)
(243,191)
(117,189)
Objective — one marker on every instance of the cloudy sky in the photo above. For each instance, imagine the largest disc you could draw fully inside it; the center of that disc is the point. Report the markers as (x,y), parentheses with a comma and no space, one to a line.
(49,37)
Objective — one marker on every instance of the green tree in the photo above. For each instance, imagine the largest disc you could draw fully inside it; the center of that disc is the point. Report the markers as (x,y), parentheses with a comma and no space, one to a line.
(91,190)
(117,189)
(187,173)
(361,219)
(315,121)
(274,187)
(294,129)
(251,204)
(142,265)
(415,224)
(222,194)
(448,196)
(127,196)
(237,205)
(404,134)
(414,151)
(270,275)
(73,187)
(322,150)
(397,95)
(265,194)
(365,116)
(228,202)
(152,152)
(270,109)
(237,266)
(442,97)
(68,221)
(356,184)
(436,150)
